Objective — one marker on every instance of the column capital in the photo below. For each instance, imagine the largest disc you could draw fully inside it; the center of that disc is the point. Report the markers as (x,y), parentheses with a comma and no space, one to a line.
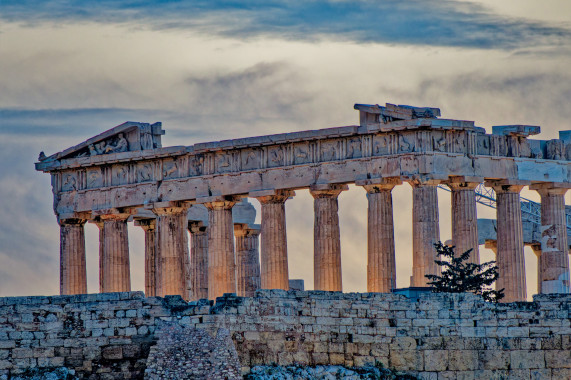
(506,185)
(246,230)
(272,196)
(552,188)
(463,182)
(146,224)
(196,227)
(426,180)
(169,208)
(327,190)
(219,202)
(113,214)
(71,221)
(377,185)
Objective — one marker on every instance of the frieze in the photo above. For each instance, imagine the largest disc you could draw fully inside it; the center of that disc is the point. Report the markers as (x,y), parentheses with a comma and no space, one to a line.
(196,165)
(276,156)
(94,178)
(554,150)
(251,159)
(69,181)
(329,150)
(301,153)
(406,143)
(354,148)
(170,169)
(120,175)
(145,171)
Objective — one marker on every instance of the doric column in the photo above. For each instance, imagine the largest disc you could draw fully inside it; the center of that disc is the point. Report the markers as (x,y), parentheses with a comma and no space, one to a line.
(172,249)
(274,271)
(327,239)
(198,260)
(554,260)
(425,230)
(510,259)
(72,269)
(148,225)
(381,266)
(247,260)
(221,259)
(464,216)
(114,272)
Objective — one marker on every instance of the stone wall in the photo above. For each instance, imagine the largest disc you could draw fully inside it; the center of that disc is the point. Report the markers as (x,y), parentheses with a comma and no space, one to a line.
(438,337)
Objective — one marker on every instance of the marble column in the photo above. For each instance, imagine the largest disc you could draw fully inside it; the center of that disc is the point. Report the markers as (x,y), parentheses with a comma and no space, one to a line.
(149,226)
(172,250)
(221,258)
(425,231)
(247,260)
(198,260)
(274,270)
(114,272)
(554,260)
(72,270)
(465,217)
(381,265)
(509,259)
(327,239)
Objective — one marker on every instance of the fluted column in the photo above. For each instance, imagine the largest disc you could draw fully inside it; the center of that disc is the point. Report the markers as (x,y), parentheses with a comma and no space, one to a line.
(510,259)
(172,250)
(72,270)
(274,271)
(327,239)
(425,231)
(114,272)
(247,260)
(149,226)
(554,260)
(381,266)
(221,258)
(198,260)
(465,217)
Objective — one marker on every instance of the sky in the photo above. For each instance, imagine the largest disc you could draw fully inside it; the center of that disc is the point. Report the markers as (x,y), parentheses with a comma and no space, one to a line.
(213,70)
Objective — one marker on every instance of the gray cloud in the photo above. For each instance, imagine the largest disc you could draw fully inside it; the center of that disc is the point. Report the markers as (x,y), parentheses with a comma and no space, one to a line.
(415,22)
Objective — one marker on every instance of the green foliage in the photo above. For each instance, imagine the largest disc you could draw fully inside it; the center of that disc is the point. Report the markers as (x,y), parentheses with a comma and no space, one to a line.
(459,276)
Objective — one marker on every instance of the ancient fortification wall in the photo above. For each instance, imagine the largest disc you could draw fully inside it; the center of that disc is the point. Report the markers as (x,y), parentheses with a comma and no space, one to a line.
(440,336)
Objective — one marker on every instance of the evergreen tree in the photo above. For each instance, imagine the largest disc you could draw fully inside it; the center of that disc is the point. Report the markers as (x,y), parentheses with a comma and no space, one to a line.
(459,276)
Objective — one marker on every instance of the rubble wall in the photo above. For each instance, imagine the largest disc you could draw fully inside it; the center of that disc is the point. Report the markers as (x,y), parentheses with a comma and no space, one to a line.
(441,336)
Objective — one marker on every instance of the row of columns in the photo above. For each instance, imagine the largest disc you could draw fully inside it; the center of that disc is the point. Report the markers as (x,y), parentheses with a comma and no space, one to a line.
(218,266)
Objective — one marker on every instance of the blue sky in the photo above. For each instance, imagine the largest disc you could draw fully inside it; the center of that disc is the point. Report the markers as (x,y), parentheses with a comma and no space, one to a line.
(212,70)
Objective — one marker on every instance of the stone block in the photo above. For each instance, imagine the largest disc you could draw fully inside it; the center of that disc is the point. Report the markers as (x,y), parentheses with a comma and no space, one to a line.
(112,353)
(463,360)
(406,360)
(21,353)
(494,359)
(558,359)
(522,359)
(337,359)
(435,360)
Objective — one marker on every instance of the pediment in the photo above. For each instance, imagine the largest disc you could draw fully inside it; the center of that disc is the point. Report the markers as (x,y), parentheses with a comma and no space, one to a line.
(129,136)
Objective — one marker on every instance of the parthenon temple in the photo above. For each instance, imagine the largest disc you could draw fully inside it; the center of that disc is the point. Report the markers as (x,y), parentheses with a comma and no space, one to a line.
(124,174)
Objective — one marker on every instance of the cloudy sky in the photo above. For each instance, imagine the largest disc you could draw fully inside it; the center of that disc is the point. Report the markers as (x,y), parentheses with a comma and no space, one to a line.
(212,70)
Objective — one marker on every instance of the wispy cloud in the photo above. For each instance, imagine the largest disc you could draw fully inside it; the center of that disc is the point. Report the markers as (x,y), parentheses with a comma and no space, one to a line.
(415,22)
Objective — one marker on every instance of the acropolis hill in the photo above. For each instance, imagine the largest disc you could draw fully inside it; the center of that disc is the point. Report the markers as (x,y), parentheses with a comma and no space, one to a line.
(124,175)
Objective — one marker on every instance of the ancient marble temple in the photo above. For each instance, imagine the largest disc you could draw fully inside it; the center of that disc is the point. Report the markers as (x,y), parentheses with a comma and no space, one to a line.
(125,174)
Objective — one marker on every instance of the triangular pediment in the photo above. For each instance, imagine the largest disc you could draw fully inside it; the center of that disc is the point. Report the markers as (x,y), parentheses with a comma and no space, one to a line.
(129,136)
